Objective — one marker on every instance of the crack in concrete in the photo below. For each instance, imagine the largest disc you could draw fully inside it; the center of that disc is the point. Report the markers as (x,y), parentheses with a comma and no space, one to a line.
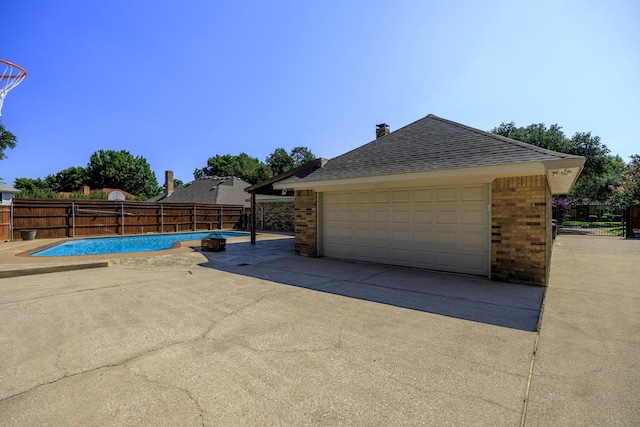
(64,294)
(423,390)
(134,357)
(176,387)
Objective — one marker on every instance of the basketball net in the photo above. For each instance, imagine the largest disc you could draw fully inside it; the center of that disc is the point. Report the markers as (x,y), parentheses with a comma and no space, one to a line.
(11,77)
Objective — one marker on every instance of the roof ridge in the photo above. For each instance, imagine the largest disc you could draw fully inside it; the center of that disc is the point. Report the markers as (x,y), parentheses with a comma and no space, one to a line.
(512,141)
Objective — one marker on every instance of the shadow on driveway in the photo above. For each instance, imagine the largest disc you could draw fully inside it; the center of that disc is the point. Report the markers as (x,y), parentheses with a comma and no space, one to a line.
(465,297)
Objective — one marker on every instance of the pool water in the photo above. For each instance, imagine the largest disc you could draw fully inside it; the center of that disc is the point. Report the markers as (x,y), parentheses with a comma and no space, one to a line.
(122,244)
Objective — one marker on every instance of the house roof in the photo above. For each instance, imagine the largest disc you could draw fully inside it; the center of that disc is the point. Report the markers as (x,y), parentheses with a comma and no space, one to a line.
(227,190)
(6,189)
(431,144)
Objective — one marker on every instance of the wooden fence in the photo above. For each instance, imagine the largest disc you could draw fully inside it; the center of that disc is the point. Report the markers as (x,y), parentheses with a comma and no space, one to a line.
(5,223)
(58,218)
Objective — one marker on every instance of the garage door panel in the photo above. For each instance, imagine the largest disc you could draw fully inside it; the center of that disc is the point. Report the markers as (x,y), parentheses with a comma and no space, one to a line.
(423,215)
(447,216)
(473,239)
(472,263)
(363,215)
(447,238)
(446,194)
(423,195)
(401,216)
(474,215)
(400,196)
(401,237)
(473,193)
(441,227)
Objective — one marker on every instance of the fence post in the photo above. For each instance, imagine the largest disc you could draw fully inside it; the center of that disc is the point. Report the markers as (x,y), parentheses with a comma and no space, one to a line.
(73,219)
(194,218)
(121,219)
(162,218)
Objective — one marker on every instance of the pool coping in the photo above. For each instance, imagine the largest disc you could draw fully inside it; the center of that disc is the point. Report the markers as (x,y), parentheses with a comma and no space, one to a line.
(175,245)
(14,259)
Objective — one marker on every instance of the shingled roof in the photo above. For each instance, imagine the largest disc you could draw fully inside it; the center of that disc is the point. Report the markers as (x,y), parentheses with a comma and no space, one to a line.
(227,190)
(429,144)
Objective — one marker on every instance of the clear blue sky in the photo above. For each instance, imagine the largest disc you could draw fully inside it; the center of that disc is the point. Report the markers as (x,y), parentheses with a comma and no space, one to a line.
(179,82)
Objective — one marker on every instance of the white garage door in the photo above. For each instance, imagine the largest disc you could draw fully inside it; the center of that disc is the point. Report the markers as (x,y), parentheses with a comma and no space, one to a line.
(440,228)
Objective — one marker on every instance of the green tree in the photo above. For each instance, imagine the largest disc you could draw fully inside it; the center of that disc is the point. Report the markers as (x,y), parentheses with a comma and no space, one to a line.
(536,134)
(120,169)
(600,169)
(30,184)
(70,179)
(280,161)
(7,140)
(627,191)
(242,166)
(301,155)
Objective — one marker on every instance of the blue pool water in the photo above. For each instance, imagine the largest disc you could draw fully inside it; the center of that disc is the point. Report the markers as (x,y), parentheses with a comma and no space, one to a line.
(114,245)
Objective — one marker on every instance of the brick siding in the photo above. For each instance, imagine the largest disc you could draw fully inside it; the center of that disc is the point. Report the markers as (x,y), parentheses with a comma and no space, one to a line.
(521,239)
(306,223)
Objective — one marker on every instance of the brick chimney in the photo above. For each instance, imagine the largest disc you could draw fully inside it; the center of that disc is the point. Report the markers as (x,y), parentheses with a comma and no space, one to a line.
(86,190)
(168,183)
(382,129)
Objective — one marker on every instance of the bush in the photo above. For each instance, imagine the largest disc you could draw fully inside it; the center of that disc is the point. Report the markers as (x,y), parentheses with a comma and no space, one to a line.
(608,216)
(593,218)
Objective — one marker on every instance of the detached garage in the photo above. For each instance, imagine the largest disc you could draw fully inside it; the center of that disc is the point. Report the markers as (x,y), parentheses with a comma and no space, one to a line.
(436,195)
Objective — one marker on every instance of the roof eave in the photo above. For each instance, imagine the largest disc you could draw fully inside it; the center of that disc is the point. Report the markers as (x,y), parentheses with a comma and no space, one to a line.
(560,182)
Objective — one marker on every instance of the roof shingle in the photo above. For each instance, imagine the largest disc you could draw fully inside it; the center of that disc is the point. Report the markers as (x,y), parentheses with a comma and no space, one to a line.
(430,144)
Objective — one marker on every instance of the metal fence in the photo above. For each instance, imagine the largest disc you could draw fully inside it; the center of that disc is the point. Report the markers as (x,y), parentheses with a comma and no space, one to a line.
(613,229)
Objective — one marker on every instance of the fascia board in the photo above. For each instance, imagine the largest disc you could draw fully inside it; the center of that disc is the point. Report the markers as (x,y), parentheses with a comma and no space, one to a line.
(476,174)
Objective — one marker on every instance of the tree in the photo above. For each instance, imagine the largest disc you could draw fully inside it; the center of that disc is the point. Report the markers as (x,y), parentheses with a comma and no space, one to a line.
(536,134)
(279,161)
(242,166)
(600,169)
(253,170)
(120,169)
(301,155)
(70,179)
(627,191)
(7,140)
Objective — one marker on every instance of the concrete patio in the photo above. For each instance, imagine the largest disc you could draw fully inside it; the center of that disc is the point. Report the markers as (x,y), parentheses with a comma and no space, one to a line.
(258,336)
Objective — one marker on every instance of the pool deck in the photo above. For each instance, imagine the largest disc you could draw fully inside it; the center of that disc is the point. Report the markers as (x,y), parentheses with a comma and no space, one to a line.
(255,335)
(15,261)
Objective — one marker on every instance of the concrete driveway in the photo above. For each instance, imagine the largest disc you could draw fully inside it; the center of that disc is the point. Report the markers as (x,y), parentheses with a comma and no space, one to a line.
(266,338)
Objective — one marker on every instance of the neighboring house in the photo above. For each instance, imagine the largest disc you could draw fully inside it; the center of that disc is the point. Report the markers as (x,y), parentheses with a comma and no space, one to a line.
(438,195)
(6,194)
(226,190)
(112,193)
(588,211)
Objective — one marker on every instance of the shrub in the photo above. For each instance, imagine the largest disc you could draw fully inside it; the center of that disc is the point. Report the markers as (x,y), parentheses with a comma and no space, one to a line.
(593,218)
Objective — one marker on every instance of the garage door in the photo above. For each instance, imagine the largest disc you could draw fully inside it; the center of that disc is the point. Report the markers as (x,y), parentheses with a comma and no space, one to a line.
(440,228)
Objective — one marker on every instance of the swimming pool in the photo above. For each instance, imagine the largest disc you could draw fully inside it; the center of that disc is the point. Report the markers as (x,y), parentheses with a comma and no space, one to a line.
(122,244)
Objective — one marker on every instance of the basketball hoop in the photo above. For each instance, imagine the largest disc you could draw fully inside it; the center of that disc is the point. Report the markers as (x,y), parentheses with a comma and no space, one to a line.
(11,77)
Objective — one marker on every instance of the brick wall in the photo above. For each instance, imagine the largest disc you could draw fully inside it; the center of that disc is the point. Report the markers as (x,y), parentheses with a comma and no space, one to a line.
(306,222)
(521,239)
(275,216)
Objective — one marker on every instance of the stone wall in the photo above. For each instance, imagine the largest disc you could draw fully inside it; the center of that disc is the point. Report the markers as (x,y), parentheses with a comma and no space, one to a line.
(275,216)
(306,223)
(521,239)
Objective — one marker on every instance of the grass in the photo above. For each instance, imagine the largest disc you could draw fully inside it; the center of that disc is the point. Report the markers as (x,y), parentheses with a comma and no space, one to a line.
(614,228)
